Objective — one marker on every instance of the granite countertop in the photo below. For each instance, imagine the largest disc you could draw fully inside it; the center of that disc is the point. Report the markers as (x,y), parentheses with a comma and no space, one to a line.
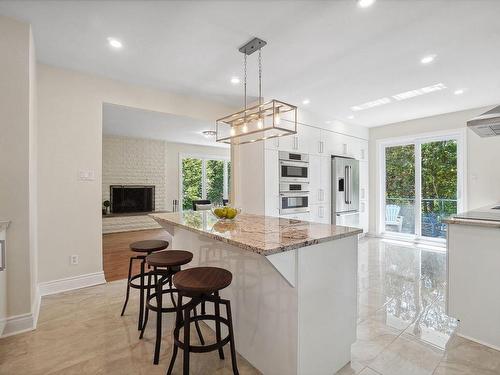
(264,235)
(488,216)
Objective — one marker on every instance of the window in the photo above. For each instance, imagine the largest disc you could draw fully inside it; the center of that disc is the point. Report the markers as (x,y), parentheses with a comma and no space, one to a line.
(203,178)
(421,185)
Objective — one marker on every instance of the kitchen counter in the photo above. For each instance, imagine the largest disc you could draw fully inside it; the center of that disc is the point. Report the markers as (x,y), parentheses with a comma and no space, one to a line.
(485,216)
(261,234)
(294,286)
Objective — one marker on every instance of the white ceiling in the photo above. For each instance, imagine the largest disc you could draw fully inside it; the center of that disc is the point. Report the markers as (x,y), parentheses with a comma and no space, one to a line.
(331,52)
(139,123)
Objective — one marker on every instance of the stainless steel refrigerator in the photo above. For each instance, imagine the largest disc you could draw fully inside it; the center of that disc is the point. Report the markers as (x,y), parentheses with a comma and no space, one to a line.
(345,191)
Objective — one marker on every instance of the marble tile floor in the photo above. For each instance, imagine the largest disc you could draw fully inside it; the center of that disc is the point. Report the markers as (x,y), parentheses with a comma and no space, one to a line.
(402,328)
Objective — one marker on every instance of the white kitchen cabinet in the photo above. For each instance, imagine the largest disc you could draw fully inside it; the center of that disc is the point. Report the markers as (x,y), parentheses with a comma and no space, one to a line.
(363,180)
(325,184)
(314,179)
(332,143)
(272,143)
(320,213)
(271,179)
(306,141)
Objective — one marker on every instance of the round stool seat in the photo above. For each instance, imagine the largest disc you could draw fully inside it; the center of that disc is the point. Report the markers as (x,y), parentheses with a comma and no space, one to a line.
(169,258)
(202,279)
(148,246)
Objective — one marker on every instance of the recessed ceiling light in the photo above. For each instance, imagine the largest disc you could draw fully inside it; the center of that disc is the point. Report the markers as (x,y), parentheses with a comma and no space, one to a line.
(427,59)
(209,133)
(459,92)
(328,122)
(115,43)
(365,3)
(350,117)
(306,101)
(235,80)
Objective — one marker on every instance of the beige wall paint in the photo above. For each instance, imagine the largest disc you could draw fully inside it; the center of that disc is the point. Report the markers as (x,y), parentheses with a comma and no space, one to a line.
(482,175)
(18,161)
(70,139)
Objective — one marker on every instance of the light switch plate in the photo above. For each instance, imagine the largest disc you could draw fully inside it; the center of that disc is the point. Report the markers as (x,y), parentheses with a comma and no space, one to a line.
(86,175)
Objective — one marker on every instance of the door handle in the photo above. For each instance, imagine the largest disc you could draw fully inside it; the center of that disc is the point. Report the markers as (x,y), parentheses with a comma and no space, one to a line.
(347,187)
(2,264)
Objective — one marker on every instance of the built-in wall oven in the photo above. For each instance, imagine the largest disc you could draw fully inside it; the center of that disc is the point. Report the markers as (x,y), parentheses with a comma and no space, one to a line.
(294,183)
(294,167)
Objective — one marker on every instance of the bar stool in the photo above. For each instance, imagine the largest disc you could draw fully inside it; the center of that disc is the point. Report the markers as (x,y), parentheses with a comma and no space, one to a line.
(202,284)
(165,264)
(144,248)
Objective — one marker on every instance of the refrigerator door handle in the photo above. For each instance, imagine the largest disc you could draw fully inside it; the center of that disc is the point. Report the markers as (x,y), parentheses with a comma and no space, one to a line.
(350,184)
(347,185)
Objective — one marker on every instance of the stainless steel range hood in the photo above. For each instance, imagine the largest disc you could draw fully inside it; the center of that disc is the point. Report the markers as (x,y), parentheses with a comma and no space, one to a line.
(487,124)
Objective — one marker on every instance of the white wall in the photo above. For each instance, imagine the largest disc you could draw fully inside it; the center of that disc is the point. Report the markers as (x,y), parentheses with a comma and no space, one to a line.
(70,139)
(18,162)
(483,175)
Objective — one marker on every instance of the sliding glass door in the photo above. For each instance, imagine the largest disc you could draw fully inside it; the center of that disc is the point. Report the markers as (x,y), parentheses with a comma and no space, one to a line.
(421,185)
(203,178)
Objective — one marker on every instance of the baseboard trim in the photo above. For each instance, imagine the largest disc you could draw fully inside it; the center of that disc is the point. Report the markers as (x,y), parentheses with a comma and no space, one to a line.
(479,341)
(71,283)
(17,324)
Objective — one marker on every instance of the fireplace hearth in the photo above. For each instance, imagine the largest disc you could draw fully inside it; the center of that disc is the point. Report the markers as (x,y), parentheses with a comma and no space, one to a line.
(132,198)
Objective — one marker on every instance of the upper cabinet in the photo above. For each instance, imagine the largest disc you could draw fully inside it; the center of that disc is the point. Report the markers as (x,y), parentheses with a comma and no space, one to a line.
(343,145)
(307,141)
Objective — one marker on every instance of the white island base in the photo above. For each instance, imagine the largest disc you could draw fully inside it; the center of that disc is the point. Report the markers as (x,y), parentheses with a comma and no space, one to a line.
(294,312)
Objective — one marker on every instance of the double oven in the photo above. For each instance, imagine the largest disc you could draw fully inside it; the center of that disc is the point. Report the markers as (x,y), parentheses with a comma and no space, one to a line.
(294,182)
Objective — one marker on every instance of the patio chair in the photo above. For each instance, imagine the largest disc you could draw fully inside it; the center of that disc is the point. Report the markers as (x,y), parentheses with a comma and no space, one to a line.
(392,216)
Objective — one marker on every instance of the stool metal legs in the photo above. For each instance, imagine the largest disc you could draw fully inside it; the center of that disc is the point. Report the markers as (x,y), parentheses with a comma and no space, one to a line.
(184,320)
(128,284)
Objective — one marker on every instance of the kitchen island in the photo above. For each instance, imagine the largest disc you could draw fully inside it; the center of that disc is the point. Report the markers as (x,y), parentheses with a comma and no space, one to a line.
(294,292)
(474,274)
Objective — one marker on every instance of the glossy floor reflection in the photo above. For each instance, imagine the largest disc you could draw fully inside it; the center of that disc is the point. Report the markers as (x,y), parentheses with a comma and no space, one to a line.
(402,327)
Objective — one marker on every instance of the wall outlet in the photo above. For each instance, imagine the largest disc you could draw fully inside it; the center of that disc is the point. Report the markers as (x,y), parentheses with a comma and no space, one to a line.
(73,259)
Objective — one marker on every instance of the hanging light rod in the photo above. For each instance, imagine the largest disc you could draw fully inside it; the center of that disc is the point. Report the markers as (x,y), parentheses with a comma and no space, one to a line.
(259,122)
(254,45)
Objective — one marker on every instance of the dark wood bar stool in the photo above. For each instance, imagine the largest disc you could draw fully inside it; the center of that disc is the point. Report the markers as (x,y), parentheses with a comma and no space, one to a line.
(164,265)
(202,285)
(144,248)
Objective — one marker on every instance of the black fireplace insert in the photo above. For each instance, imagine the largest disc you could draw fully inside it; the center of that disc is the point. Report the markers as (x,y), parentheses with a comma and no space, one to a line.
(132,198)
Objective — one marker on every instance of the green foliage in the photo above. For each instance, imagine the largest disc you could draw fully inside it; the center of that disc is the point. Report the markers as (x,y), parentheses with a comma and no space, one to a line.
(400,173)
(438,171)
(191,186)
(215,180)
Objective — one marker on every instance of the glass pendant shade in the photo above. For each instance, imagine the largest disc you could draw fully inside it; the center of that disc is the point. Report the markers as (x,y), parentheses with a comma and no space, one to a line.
(260,122)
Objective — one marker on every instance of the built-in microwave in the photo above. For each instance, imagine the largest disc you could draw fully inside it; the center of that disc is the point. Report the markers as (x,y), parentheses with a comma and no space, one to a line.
(294,202)
(293,167)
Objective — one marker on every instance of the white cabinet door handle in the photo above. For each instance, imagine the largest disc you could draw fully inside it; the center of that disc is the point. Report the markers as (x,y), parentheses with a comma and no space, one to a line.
(321,211)
(295,143)
(344,148)
(321,147)
(2,255)
(363,153)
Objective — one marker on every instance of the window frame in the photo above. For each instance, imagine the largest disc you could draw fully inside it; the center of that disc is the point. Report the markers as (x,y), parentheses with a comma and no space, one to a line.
(204,159)
(459,135)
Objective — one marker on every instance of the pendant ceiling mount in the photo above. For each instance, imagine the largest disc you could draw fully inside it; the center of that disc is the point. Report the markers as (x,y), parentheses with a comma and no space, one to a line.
(261,121)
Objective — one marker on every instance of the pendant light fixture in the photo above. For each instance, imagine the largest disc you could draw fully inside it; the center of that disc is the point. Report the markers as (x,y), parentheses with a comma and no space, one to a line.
(261,121)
